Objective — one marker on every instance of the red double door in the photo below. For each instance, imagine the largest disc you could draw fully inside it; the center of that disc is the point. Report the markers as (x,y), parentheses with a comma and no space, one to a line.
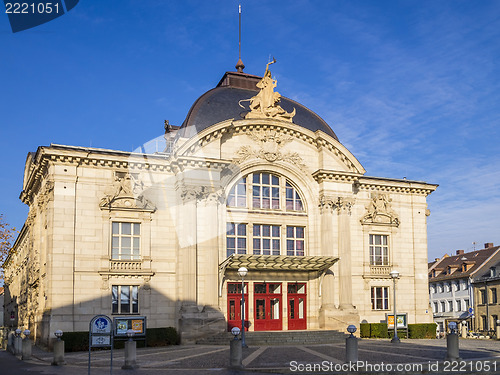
(267,306)
(234,306)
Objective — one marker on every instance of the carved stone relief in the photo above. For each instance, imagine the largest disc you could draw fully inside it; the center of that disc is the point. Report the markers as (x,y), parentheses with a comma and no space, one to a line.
(380,212)
(270,143)
(126,193)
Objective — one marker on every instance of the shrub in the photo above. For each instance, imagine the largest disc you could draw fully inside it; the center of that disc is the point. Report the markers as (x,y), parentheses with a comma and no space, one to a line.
(422,331)
(378,330)
(162,336)
(79,341)
(415,331)
(75,341)
(364,330)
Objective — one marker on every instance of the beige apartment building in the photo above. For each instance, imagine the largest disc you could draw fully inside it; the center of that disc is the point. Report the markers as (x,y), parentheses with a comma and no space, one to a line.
(251,179)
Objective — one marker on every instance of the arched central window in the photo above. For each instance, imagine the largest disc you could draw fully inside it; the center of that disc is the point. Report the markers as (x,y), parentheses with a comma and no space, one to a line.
(265,190)
(266,216)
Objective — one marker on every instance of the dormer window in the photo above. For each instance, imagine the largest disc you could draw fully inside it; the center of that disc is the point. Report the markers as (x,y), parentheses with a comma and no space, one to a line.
(493,272)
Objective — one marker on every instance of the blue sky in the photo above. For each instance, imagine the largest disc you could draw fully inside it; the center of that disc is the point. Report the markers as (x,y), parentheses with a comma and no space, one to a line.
(411,88)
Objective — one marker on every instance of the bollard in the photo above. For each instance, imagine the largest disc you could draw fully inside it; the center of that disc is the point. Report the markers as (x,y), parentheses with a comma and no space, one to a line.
(10,342)
(130,352)
(18,343)
(58,349)
(351,345)
(498,329)
(235,353)
(452,343)
(26,346)
(130,355)
(235,350)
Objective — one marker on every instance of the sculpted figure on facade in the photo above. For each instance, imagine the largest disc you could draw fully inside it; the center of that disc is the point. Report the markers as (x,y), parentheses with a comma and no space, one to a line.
(379,211)
(265,103)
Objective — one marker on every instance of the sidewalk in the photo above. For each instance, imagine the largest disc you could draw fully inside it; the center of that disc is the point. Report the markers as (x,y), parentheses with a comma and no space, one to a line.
(380,356)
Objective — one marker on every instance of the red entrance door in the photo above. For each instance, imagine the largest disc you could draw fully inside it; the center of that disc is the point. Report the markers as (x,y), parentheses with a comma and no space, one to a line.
(234,306)
(267,307)
(297,306)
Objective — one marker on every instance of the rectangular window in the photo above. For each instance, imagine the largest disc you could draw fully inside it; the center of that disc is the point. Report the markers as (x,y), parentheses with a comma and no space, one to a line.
(380,298)
(450,304)
(443,306)
(459,305)
(466,303)
(236,238)
(484,323)
(436,307)
(482,294)
(379,250)
(493,295)
(126,241)
(295,241)
(266,239)
(125,299)
(265,191)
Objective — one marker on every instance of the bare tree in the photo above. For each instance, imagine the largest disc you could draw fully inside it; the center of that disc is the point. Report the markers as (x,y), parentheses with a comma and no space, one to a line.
(7,235)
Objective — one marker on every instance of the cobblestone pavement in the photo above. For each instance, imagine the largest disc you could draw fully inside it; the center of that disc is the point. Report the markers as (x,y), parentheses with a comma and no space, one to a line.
(378,356)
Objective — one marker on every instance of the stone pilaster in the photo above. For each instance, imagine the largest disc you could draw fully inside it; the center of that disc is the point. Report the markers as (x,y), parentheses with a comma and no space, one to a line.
(343,206)
(327,206)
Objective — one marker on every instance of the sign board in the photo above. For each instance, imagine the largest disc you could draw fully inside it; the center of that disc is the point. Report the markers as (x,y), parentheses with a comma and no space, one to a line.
(101,336)
(136,323)
(401,321)
(101,341)
(100,331)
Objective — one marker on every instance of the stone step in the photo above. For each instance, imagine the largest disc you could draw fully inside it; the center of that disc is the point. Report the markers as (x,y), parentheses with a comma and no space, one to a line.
(279,337)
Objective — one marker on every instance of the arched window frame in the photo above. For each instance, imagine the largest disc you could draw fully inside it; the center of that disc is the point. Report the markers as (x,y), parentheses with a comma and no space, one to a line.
(246,205)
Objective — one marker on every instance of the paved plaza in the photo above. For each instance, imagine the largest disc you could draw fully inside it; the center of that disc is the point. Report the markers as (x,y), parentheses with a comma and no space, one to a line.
(376,356)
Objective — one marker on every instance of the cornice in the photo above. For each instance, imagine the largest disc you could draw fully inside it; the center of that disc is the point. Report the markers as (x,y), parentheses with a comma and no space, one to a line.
(381,184)
(322,175)
(318,139)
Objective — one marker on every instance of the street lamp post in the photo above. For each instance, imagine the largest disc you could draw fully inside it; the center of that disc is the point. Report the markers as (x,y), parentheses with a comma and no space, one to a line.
(395,275)
(242,271)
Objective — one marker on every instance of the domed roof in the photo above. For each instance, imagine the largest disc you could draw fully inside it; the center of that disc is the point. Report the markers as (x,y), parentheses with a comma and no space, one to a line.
(222,103)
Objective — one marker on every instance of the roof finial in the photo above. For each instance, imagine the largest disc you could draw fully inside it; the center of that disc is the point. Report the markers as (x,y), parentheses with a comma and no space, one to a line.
(239,65)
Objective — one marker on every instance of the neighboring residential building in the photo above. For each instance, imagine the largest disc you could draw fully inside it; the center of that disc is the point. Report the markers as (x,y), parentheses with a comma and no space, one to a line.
(486,283)
(162,234)
(450,285)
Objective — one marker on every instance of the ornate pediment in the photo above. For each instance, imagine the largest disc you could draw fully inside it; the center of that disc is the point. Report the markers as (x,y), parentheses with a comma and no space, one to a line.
(126,194)
(379,211)
(265,103)
(270,149)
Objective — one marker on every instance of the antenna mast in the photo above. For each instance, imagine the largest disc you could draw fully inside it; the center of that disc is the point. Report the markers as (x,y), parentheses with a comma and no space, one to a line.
(239,65)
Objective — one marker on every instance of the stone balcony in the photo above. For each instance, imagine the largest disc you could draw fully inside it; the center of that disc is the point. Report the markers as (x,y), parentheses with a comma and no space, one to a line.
(376,272)
(125,265)
(140,267)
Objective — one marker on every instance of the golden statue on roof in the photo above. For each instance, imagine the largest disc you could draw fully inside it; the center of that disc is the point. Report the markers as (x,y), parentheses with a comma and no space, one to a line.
(265,103)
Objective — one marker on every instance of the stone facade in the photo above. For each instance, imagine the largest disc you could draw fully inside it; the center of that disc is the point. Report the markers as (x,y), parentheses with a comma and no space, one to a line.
(111,232)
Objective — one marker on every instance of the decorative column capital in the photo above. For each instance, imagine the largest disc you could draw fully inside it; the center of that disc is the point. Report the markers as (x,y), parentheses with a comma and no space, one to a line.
(326,204)
(344,205)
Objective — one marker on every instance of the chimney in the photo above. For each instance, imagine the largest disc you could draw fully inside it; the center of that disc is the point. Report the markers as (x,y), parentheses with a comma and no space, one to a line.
(460,252)
(487,245)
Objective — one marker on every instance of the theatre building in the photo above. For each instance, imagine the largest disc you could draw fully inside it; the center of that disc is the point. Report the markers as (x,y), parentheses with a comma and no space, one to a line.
(251,179)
